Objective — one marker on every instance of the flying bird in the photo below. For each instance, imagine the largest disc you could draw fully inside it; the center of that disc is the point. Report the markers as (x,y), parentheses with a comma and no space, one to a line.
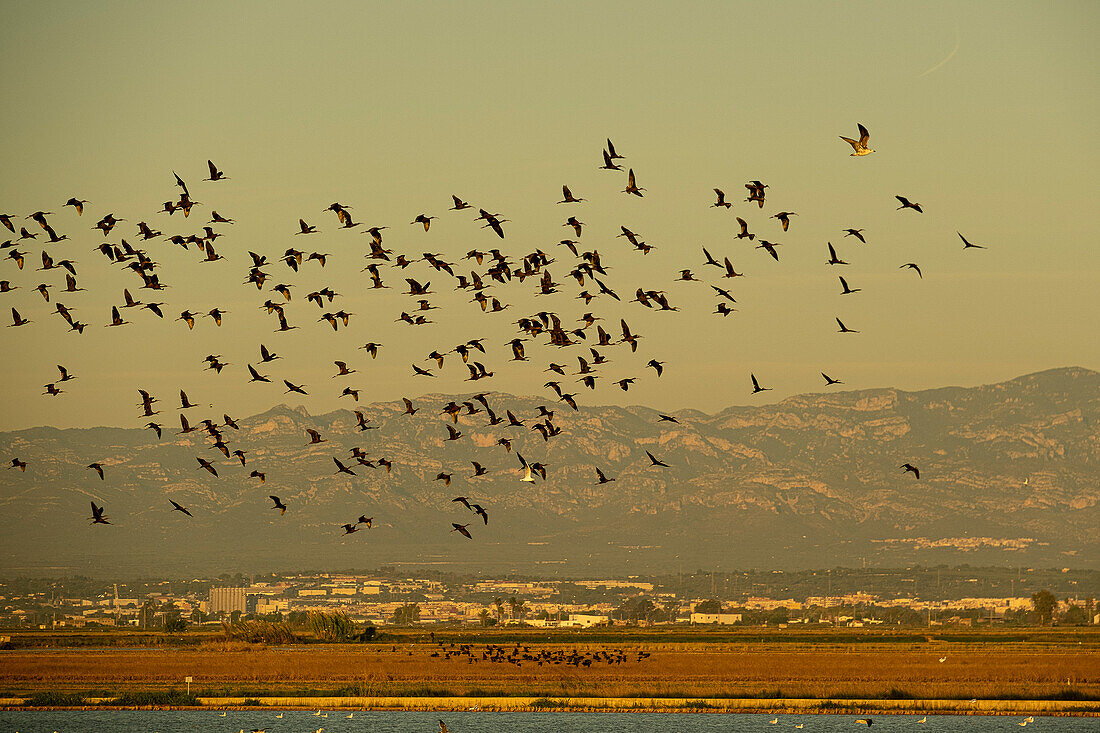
(910,468)
(833,259)
(653,460)
(770,248)
(77,204)
(290,387)
(98,468)
(568,197)
(460,528)
(744,233)
(526,470)
(215,174)
(423,219)
(178,508)
(98,517)
(205,464)
(784,218)
(843,328)
(968,245)
(608,163)
(859,146)
(631,186)
(913,266)
(278,504)
(907,204)
(256,376)
(756,388)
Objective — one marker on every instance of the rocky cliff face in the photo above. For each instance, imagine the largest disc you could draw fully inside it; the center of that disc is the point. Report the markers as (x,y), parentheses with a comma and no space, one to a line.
(1010,473)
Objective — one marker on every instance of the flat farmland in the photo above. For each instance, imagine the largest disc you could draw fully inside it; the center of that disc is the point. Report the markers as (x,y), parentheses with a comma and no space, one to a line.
(620,665)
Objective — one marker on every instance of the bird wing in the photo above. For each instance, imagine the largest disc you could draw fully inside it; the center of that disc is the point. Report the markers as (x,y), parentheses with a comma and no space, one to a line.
(864,136)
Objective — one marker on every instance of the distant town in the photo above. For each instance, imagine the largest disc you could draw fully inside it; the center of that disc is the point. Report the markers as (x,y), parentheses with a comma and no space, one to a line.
(943,596)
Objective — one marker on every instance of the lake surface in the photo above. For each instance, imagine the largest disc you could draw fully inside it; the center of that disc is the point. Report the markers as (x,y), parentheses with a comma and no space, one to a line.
(296,721)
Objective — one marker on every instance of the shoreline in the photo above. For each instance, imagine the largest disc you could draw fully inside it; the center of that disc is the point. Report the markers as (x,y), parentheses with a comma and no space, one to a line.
(778,706)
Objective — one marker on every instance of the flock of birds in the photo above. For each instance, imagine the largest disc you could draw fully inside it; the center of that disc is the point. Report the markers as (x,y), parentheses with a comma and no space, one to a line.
(491,269)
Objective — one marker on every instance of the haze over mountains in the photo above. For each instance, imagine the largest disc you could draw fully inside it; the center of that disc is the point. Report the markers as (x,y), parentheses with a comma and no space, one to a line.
(1010,474)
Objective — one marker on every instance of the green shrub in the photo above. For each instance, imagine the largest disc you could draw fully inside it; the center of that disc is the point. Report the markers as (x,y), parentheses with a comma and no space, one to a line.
(53,698)
(138,698)
(545,703)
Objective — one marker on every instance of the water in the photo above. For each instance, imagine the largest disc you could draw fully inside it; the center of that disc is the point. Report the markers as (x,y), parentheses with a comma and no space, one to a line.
(296,721)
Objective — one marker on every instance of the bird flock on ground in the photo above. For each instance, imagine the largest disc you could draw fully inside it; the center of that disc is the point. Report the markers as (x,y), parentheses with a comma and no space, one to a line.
(484,274)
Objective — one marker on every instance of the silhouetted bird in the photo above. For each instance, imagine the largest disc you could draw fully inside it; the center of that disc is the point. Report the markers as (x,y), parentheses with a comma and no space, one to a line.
(907,204)
(653,460)
(98,517)
(968,245)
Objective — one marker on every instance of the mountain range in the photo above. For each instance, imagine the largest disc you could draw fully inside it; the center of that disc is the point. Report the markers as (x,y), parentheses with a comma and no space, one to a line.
(1009,474)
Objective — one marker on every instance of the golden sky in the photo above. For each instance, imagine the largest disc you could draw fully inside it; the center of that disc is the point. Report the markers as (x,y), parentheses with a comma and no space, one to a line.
(985,113)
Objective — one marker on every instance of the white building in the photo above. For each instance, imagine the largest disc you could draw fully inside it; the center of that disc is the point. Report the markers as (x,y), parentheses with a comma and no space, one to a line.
(723,619)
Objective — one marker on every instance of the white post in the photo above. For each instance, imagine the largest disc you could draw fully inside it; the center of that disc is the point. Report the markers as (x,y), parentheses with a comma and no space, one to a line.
(188,681)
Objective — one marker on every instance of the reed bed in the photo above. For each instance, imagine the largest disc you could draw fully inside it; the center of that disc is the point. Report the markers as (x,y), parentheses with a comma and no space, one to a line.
(736,671)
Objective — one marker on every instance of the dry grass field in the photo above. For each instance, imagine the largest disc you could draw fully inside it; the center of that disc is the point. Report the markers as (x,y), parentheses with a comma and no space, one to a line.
(1052,668)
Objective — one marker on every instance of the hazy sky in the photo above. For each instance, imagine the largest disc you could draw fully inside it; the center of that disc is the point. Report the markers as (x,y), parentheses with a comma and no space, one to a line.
(985,113)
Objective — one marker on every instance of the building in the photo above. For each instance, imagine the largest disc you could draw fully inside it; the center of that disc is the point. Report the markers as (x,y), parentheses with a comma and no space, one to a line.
(584,621)
(724,619)
(227,600)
